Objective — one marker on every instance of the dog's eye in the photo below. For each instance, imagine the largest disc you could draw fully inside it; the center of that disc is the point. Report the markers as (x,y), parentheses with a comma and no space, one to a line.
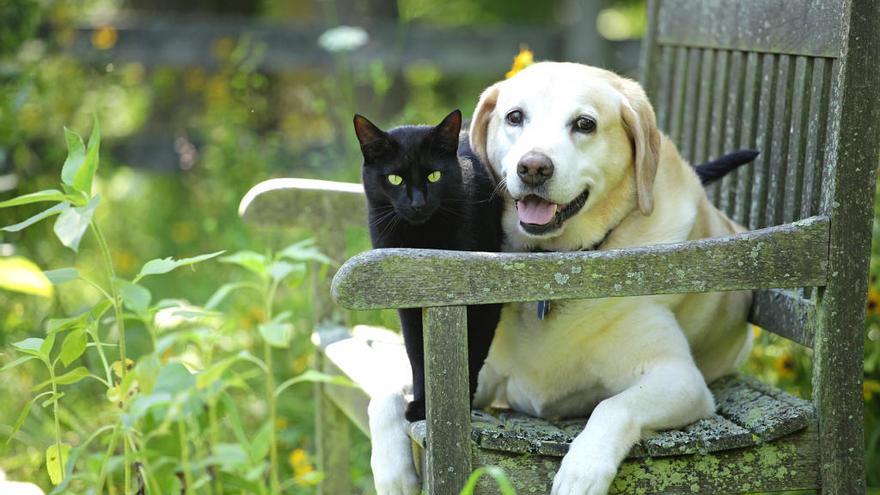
(434,176)
(395,180)
(585,125)
(514,117)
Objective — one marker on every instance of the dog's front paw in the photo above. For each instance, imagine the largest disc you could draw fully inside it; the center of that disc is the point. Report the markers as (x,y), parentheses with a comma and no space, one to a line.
(396,481)
(576,477)
(391,459)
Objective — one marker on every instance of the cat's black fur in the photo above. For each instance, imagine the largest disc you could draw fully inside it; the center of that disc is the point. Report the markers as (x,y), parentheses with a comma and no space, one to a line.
(460,212)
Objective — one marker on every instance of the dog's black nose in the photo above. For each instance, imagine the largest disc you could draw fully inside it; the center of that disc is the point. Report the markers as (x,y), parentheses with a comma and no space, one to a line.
(534,168)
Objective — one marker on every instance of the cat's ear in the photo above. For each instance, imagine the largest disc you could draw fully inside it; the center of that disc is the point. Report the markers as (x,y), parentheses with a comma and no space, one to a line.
(446,132)
(374,141)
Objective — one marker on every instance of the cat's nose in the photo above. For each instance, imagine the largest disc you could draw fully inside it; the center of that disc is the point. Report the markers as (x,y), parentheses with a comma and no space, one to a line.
(534,168)
(418,201)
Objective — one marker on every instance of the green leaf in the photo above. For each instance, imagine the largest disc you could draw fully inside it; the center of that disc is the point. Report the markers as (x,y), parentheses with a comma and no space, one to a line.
(74,346)
(223,292)
(68,378)
(86,173)
(30,346)
(60,207)
(46,347)
(254,262)
(306,250)
(53,398)
(18,274)
(72,223)
(496,473)
(135,297)
(76,155)
(174,378)
(315,376)
(165,265)
(56,325)
(213,373)
(17,362)
(35,197)
(61,275)
(56,458)
(20,421)
(280,270)
(276,334)
(261,443)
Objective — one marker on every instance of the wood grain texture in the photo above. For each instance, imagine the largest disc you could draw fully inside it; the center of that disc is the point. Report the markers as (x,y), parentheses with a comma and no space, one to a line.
(447,400)
(332,443)
(402,278)
(799,27)
(853,145)
(785,313)
(304,202)
(789,463)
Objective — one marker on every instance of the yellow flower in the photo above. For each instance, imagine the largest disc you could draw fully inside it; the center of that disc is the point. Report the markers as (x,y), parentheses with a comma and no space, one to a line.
(756,331)
(523,59)
(785,365)
(303,469)
(870,387)
(873,301)
(104,37)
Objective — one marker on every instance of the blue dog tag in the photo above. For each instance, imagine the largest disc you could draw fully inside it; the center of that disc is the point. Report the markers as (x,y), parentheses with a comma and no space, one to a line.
(543,309)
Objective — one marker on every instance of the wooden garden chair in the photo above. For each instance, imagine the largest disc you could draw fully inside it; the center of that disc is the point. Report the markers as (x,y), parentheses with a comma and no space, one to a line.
(797,80)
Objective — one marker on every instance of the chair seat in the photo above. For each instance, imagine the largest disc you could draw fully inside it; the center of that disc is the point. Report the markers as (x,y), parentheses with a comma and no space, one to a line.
(749,413)
(761,439)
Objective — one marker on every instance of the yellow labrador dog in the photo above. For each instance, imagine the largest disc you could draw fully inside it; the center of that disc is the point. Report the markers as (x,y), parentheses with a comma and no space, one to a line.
(585,167)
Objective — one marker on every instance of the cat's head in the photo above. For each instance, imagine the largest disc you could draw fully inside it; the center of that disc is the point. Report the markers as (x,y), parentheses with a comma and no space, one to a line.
(414,169)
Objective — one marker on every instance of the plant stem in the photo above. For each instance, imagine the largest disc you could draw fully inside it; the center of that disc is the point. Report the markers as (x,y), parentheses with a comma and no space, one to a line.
(55,416)
(120,328)
(184,457)
(110,448)
(270,397)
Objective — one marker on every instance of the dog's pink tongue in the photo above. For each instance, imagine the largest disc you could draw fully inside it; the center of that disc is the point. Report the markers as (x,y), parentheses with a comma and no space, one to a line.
(535,210)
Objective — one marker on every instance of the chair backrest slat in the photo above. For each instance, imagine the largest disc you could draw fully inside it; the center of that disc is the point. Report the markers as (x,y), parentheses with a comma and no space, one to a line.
(750,74)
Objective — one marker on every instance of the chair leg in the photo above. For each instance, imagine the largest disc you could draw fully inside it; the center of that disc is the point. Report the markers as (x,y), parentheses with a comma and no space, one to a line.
(333,440)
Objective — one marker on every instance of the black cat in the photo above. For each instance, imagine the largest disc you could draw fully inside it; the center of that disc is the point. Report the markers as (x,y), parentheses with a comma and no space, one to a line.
(426,189)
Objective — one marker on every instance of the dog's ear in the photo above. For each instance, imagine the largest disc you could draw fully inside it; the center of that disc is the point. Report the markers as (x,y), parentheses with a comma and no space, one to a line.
(374,141)
(641,125)
(480,122)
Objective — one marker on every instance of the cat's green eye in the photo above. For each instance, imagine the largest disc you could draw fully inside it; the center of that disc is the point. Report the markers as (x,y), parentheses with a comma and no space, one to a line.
(434,176)
(395,180)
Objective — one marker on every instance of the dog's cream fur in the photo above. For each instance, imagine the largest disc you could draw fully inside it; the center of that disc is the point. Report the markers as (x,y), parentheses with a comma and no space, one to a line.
(633,364)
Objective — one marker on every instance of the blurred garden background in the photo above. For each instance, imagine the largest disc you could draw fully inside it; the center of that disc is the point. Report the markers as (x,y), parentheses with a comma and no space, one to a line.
(197,101)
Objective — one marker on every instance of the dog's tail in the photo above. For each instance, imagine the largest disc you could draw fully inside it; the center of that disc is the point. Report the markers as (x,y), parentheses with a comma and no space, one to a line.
(714,170)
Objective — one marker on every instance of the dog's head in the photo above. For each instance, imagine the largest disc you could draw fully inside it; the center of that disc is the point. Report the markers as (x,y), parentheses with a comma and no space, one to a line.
(561,136)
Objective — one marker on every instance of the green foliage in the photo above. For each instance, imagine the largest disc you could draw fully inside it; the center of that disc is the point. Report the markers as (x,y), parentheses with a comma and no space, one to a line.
(154,408)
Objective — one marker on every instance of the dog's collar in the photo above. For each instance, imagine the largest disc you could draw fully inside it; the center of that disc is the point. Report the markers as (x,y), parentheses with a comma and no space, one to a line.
(544,306)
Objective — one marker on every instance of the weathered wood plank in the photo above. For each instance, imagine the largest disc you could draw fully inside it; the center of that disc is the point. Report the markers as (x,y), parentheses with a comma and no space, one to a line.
(784,313)
(799,27)
(848,192)
(332,442)
(666,89)
(676,107)
(820,82)
(401,278)
(691,110)
(761,414)
(751,97)
(304,202)
(781,129)
(447,400)
(797,139)
(733,123)
(788,463)
(764,142)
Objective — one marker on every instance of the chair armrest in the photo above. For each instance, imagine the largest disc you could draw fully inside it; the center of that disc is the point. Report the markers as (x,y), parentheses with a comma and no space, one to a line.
(304,202)
(789,255)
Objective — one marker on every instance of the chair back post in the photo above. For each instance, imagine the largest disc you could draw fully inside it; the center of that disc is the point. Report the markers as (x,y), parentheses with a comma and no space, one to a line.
(848,192)
(447,394)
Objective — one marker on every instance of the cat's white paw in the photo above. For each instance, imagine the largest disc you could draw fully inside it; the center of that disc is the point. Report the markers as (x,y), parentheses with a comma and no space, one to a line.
(579,475)
(391,458)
